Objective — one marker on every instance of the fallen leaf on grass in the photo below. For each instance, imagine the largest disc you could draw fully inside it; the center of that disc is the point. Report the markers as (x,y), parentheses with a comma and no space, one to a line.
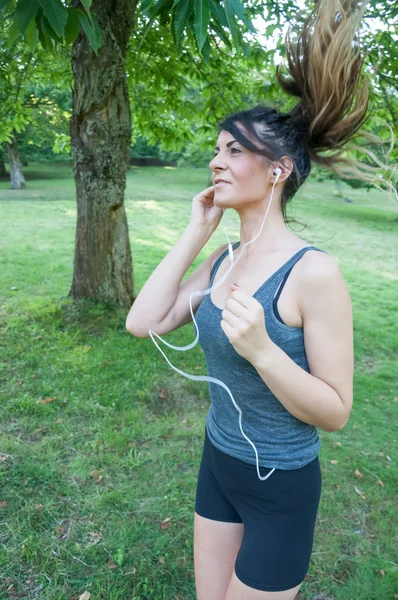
(358,474)
(85,596)
(46,400)
(163,393)
(94,537)
(360,493)
(97,472)
(334,462)
(38,506)
(388,458)
(3,504)
(380,483)
(112,565)
(382,573)
(166,523)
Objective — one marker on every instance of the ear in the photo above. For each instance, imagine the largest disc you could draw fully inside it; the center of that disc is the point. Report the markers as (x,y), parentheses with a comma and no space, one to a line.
(285,164)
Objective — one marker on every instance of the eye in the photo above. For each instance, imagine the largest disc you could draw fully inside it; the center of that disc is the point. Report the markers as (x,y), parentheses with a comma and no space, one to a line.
(232,150)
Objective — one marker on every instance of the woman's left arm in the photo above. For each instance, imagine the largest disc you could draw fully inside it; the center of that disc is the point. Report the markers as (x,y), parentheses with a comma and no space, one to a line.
(324,396)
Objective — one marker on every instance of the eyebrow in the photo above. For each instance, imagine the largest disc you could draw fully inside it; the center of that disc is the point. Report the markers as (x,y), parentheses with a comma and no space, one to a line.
(228,145)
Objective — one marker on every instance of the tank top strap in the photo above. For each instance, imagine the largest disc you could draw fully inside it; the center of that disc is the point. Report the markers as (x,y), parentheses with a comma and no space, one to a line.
(280,274)
(283,273)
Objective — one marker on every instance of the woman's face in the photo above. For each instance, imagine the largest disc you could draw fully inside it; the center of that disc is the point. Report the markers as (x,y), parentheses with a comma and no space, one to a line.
(247,174)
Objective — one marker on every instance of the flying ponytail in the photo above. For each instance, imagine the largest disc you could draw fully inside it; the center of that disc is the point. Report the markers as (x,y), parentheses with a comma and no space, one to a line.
(325,67)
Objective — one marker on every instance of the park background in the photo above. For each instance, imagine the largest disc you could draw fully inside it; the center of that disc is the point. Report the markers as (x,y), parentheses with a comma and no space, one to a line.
(100,441)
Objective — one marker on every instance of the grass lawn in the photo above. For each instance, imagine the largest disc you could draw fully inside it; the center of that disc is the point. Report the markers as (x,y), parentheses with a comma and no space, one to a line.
(100,440)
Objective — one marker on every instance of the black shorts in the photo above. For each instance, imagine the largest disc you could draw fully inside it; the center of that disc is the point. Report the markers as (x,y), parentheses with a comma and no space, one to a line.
(278,514)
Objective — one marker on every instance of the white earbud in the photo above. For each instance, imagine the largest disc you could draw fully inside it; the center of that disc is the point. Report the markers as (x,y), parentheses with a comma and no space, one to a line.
(277,172)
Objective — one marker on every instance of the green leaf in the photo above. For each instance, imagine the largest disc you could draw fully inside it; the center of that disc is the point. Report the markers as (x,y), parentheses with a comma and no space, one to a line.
(221,33)
(87,4)
(56,15)
(160,7)
(201,21)
(98,30)
(46,41)
(205,52)
(269,30)
(90,32)
(72,25)
(218,13)
(4,4)
(145,5)
(182,13)
(229,13)
(152,13)
(32,36)
(12,34)
(238,9)
(26,11)
(48,30)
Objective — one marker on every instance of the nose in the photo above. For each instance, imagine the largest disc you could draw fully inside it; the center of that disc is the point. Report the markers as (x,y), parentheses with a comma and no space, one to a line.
(217,164)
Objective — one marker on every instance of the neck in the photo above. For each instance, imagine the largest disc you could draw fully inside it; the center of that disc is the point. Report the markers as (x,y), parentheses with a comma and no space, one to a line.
(274,235)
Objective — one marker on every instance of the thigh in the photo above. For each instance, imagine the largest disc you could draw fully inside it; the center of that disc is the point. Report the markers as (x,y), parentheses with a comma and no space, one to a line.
(216,545)
(279,518)
(218,531)
(239,591)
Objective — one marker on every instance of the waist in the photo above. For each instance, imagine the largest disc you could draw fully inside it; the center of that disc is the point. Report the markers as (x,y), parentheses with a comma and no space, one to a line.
(280,447)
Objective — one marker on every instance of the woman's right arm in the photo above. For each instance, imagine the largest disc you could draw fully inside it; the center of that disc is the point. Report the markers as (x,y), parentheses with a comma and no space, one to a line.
(163,302)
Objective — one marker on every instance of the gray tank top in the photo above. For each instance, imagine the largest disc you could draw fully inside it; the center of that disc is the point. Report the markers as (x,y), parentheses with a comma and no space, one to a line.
(282,440)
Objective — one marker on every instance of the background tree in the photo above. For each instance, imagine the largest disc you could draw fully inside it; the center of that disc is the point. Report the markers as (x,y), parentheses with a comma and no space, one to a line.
(180,65)
(101,125)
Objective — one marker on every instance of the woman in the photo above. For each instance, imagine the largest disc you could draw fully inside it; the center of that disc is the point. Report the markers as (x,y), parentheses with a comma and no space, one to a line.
(282,339)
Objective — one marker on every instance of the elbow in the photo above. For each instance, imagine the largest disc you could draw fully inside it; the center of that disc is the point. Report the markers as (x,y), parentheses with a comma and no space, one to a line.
(136,331)
(335,426)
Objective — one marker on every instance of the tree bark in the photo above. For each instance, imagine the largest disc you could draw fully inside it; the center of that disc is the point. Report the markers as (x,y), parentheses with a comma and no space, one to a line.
(101,139)
(3,170)
(16,175)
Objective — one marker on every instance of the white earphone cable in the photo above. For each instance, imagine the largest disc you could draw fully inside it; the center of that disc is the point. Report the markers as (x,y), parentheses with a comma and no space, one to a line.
(277,172)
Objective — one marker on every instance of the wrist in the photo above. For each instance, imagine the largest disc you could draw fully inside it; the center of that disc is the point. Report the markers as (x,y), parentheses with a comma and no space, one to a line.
(199,231)
(264,360)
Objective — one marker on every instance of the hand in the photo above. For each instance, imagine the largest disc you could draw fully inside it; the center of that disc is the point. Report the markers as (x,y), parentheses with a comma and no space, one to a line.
(204,212)
(244,324)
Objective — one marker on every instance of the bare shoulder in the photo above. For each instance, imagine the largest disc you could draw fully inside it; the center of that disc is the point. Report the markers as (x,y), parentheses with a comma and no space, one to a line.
(321,281)
(319,265)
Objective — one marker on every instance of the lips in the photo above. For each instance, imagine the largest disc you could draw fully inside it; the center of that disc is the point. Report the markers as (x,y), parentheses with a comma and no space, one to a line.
(220,181)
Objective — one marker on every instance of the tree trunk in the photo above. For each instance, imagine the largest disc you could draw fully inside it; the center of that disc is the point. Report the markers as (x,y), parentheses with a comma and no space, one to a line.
(16,175)
(101,139)
(3,170)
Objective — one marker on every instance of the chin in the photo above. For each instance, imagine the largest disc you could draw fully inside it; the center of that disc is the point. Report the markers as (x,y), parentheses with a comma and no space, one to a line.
(221,202)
